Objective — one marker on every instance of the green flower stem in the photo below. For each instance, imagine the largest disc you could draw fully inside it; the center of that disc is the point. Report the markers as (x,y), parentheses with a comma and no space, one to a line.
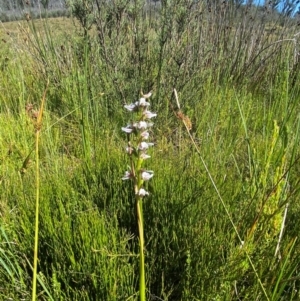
(138,183)
(139,208)
(139,179)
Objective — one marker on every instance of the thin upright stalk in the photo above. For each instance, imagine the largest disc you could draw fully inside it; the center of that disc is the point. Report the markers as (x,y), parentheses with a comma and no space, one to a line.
(139,210)
(38,127)
(36,236)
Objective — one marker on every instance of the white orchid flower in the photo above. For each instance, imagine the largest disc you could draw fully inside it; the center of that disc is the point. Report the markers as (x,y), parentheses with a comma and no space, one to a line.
(143,192)
(147,175)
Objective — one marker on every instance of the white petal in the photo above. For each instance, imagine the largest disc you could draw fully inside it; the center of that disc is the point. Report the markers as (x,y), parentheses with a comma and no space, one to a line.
(147,95)
(127,175)
(143,103)
(149,114)
(144,145)
(142,125)
(145,135)
(143,192)
(130,107)
(145,156)
(147,175)
(129,150)
(128,129)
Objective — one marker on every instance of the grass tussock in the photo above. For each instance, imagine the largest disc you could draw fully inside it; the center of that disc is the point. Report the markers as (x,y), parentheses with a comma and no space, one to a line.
(221,218)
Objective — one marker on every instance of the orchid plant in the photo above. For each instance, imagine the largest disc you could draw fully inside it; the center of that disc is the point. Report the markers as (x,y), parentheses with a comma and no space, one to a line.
(138,134)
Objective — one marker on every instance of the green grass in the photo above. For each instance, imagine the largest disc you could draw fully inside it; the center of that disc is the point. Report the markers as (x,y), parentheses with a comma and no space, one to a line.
(243,103)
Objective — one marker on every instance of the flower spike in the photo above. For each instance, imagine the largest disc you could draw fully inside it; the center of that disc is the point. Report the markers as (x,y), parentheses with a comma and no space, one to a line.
(137,149)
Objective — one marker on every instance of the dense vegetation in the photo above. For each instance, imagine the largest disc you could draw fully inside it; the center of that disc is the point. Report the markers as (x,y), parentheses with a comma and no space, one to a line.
(221,220)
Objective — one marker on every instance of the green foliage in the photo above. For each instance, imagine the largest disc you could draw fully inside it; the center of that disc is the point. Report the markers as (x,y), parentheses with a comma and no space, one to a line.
(236,76)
